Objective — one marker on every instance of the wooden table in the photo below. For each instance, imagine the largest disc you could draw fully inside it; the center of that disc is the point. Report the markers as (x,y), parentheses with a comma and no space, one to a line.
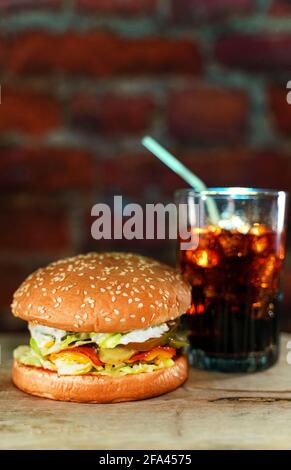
(211,411)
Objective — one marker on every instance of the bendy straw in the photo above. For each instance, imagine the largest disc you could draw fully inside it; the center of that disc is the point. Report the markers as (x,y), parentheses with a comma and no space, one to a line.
(174,164)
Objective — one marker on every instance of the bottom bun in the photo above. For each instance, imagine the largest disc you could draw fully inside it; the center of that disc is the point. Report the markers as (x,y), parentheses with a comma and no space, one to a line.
(99,388)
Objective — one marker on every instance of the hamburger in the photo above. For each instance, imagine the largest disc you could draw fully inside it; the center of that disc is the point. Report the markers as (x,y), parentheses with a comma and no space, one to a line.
(105,327)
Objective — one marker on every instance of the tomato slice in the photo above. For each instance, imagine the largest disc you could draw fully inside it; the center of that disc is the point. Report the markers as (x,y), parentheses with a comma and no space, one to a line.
(84,351)
(160,352)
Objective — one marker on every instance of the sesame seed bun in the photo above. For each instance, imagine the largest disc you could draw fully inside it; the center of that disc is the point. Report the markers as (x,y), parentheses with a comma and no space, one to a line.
(102,292)
(99,389)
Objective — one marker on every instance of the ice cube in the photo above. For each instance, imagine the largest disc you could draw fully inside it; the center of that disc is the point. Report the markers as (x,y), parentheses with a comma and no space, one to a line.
(206,258)
(260,244)
(258,229)
(230,221)
(233,244)
(266,272)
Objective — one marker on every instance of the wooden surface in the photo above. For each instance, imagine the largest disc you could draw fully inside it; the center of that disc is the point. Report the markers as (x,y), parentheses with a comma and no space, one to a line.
(211,410)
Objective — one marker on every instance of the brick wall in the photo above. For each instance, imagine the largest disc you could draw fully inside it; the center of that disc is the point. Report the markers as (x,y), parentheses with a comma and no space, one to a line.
(83,80)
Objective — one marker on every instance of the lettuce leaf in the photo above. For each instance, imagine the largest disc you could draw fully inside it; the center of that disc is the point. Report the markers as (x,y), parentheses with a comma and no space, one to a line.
(26,355)
(47,340)
(106,340)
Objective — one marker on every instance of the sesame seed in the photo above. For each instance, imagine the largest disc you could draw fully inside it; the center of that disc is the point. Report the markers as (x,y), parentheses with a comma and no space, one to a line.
(102,289)
(122,319)
(137,299)
(140,305)
(132,315)
(107,319)
(116,311)
(143,319)
(129,300)
(113,298)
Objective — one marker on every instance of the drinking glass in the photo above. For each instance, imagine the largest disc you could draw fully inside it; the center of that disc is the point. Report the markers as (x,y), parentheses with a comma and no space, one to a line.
(234,266)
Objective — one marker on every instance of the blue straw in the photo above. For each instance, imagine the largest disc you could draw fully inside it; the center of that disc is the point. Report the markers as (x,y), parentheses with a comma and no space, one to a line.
(174,164)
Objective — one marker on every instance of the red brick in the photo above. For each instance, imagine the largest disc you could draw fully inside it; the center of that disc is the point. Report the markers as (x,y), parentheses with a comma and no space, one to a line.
(207,113)
(101,54)
(219,167)
(3,49)
(130,174)
(11,276)
(281,110)
(118,6)
(142,176)
(21,4)
(33,227)
(112,113)
(241,167)
(280,7)
(28,111)
(257,52)
(189,10)
(46,169)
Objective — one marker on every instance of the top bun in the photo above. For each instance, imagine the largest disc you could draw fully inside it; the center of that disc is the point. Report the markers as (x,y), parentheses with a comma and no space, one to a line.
(102,292)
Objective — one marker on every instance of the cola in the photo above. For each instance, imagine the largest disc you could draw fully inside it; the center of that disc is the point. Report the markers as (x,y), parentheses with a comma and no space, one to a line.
(235,279)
